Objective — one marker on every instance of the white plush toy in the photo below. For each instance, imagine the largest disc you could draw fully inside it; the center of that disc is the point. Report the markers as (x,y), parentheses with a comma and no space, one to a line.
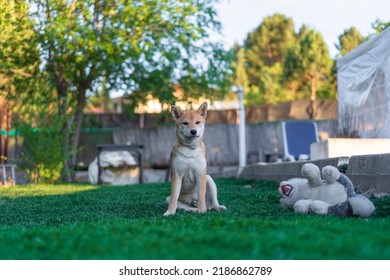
(326,192)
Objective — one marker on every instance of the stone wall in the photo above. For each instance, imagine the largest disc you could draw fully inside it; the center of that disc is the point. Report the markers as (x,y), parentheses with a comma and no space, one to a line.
(221,141)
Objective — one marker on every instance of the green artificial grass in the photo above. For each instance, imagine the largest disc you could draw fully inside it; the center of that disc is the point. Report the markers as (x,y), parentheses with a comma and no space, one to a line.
(88,222)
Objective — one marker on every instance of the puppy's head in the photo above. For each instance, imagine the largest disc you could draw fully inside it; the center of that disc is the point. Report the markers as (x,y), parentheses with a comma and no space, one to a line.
(189,124)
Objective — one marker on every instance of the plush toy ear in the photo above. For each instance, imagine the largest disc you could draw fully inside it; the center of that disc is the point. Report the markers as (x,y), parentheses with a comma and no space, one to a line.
(202,110)
(176,112)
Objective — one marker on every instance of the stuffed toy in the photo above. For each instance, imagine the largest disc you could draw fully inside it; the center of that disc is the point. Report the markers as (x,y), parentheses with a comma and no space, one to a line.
(325,192)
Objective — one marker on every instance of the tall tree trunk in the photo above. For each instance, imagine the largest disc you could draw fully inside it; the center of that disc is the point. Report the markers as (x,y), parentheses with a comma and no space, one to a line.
(81,102)
(8,115)
(5,124)
(67,162)
(313,87)
(293,87)
(62,103)
(1,137)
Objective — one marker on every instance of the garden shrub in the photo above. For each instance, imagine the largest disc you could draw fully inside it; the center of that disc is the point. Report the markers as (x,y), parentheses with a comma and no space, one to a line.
(42,152)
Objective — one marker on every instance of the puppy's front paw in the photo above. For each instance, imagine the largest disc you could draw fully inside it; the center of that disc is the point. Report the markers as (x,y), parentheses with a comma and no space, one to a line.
(220,208)
(169,213)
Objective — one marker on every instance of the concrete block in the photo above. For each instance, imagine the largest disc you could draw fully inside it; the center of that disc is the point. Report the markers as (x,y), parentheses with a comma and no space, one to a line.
(347,147)
(382,184)
(365,164)
(272,172)
(283,171)
(370,172)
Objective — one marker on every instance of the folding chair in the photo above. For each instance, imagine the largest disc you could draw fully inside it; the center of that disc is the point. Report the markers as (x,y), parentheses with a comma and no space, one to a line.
(297,138)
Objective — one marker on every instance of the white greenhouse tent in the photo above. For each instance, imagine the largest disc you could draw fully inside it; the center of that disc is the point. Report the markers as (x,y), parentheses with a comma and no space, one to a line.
(363,77)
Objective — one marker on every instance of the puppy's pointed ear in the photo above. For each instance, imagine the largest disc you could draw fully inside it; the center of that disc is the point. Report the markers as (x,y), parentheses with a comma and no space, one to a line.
(202,110)
(176,113)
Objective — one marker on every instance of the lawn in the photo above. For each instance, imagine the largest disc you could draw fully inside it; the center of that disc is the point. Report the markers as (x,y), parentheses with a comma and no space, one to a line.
(90,222)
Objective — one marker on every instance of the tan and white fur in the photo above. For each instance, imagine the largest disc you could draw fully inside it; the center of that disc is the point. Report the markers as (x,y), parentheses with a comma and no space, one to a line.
(192,189)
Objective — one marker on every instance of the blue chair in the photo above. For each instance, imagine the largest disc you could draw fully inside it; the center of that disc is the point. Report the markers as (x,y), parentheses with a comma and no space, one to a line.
(297,138)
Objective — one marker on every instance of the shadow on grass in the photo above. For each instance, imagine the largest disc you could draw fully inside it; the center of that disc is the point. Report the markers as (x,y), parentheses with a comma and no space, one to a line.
(100,203)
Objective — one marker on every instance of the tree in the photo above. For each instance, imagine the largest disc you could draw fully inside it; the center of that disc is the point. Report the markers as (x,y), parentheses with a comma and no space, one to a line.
(267,45)
(315,63)
(265,50)
(42,154)
(291,78)
(240,77)
(136,46)
(19,56)
(308,61)
(349,40)
(270,85)
(315,60)
(18,53)
(29,94)
(19,60)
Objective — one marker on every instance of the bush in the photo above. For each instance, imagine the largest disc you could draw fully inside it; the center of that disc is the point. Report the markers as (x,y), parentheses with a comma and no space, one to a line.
(42,152)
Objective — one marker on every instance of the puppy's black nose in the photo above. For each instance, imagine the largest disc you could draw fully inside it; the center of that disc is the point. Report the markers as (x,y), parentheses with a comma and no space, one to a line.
(193,131)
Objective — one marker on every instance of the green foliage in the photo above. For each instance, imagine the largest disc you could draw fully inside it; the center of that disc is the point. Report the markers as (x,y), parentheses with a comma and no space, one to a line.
(240,77)
(29,94)
(41,128)
(43,150)
(379,25)
(315,53)
(309,61)
(343,167)
(137,48)
(349,40)
(19,56)
(267,45)
(140,48)
(270,85)
(90,222)
(282,65)
(352,38)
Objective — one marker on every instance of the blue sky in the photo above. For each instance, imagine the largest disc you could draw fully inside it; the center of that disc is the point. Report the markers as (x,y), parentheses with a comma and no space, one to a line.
(329,17)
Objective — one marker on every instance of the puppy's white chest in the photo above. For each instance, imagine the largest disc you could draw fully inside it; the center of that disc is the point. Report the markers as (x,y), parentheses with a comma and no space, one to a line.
(190,169)
(191,165)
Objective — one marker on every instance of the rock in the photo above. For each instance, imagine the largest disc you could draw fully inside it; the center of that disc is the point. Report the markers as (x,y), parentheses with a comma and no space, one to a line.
(118,168)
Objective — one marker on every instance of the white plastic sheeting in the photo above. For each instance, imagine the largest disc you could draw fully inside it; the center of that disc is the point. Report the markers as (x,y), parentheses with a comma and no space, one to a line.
(363,77)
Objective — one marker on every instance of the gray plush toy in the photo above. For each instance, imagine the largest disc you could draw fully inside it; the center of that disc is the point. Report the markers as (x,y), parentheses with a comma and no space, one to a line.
(325,192)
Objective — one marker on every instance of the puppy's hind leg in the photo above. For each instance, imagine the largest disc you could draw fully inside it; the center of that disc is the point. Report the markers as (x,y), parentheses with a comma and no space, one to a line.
(212,195)
(183,205)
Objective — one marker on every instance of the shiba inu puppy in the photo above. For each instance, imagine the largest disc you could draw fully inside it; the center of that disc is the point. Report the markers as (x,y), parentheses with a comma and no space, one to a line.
(192,190)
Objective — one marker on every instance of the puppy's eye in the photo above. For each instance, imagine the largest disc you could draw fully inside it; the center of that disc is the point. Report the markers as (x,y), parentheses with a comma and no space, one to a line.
(198,122)
(185,123)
